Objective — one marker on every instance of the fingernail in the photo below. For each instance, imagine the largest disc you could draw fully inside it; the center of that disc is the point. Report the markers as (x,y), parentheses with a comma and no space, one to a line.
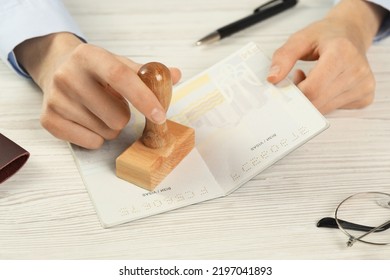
(158,116)
(274,71)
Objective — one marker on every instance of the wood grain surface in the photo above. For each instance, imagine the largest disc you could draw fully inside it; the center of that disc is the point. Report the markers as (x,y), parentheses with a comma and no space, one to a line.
(45,210)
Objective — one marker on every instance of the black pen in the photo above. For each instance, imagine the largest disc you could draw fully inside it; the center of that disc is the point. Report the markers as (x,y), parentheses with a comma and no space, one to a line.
(263,12)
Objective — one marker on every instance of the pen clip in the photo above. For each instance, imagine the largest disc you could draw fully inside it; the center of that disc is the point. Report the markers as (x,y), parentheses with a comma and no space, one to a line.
(268,5)
(271,4)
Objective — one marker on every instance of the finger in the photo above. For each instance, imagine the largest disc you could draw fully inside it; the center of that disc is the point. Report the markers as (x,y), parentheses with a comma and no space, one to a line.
(108,89)
(124,80)
(353,84)
(364,102)
(317,85)
(175,74)
(101,101)
(79,114)
(357,96)
(340,103)
(299,76)
(285,57)
(70,131)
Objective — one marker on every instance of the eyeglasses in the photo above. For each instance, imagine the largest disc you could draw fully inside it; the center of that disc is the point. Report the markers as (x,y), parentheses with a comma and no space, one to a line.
(357,211)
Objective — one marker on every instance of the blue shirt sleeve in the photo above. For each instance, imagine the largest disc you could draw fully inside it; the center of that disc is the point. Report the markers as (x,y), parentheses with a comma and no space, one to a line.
(25,19)
(384,30)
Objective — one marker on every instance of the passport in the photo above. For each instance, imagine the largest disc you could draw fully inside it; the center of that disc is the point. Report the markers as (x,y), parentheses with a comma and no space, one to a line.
(243,124)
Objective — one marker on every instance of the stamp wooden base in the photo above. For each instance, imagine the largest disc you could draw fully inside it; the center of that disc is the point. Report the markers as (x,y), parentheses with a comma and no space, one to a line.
(162,146)
(147,167)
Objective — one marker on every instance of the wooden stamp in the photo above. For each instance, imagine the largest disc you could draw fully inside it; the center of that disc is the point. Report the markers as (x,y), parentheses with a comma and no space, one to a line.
(162,146)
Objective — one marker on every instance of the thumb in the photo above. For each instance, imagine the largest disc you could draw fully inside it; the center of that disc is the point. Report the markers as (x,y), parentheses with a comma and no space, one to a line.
(285,57)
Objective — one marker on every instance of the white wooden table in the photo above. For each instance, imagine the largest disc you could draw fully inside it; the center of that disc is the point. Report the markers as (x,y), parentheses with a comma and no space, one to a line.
(45,210)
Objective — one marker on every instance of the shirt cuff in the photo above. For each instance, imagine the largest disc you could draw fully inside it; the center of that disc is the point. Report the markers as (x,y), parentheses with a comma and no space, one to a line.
(384,3)
(384,30)
(26,19)
(16,66)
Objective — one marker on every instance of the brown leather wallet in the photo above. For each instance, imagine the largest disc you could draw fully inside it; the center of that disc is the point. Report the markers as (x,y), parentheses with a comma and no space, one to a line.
(12,158)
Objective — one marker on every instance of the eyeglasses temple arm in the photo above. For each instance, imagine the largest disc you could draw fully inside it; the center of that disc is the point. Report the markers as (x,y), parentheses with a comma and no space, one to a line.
(329,222)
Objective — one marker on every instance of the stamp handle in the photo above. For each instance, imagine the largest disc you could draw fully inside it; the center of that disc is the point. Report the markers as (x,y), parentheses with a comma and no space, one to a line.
(158,78)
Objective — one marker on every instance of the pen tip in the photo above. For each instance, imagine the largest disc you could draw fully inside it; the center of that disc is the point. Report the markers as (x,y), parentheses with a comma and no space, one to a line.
(211,38)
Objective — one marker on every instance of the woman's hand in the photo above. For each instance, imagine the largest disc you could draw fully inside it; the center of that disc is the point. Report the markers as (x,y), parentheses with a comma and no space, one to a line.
(341,77)
(86,88)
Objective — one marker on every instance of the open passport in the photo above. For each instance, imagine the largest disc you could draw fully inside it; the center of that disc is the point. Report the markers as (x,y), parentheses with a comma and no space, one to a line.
(243,124)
